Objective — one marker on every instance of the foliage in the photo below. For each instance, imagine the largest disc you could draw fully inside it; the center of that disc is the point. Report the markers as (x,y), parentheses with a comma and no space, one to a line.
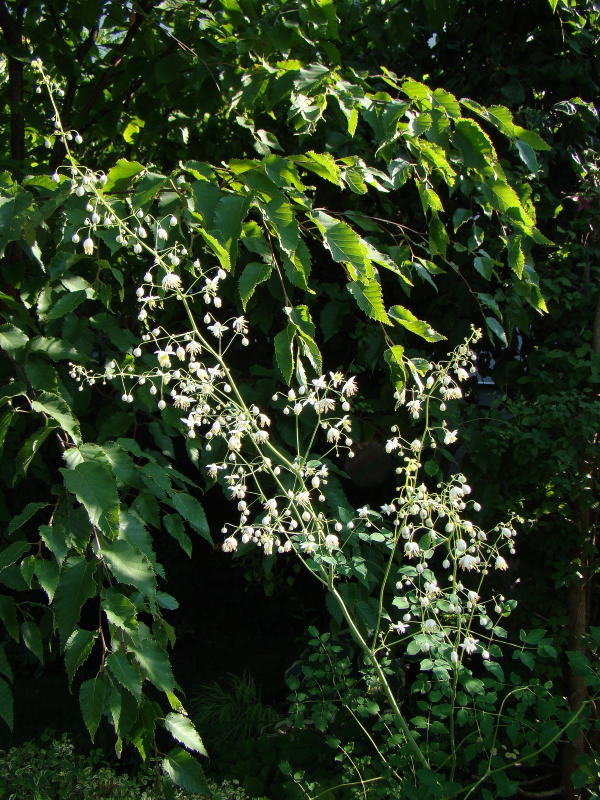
(254,158)
(53,770)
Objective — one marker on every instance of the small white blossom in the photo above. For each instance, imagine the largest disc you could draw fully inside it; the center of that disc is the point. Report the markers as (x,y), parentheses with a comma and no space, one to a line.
(468,562)
(230,544)
(88,246)
(350,387)
(171,281)
(501,563)
(412,549)
(469,645)
(450,437)
(332,542)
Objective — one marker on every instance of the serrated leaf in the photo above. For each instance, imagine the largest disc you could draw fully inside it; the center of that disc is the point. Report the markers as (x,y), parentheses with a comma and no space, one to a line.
(20,519)
(284,353)
(48,575)
(6,703)
(147,188)
(408,320)
(252,274)
(91,702)
(280,214)
(121,175)
(119,610)
(322,164)
(13,553)
(12,339)
(55,539)
(94,485)
(475,145)
(496,328)
(54,406)
(129,566)
(125,673)
(182,729)
(516,258)
(484,266)
(174,526)
(154,664)
(193,513)
(185,771)
(345,245)
(65,304)
(32,639)
(75,587)
(28,452)
(77,650)
(369,299)
(527,155)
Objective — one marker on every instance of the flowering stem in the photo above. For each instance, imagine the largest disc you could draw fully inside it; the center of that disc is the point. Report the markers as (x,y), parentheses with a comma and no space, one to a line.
(402,723)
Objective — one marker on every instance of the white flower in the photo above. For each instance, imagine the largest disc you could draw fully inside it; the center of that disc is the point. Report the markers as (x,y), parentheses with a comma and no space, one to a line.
(308,547)
(388,509)
(163,358)
(414,407)
(399,627)
(320,383)
(234,443)
(501,563)
(240,325)
(333,435)
(392,444)
(350,387)
(172,221)
(468,562)
(271,505)
(171,281)
(229,545)
(218,329)
(454,657)
(461,546)
(363,512)
(411,549)
(430,626)
(88,246)
(324,405)
(162,234)
(450,437)
(469,645)
(416,445)
(332,542)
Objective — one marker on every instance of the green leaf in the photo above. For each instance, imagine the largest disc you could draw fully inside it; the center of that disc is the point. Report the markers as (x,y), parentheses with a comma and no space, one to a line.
(33,640)
(55,539)
(28,451)
(129,566)
(125,673)
(408,320)
(174,526)
(154,663)
(77,650)
(484,266)
(94,485)
(12,339)
(185,771)
(527,155)
(182,729)
(6,703)
(28,512)
(496,328)
(12,553)
(193,513)
(369,299)
(76,586)
(344,244)
(147,188)
(475,145)
(65,304)
(281,216)
(253,274)
(8,615)
(54,406)
(48,575)
(516,258)
(91,701)
(120,176)
(322,164)
(284,353)
(119,610)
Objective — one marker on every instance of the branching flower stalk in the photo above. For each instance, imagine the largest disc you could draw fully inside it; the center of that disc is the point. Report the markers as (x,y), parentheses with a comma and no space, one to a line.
(436,558)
